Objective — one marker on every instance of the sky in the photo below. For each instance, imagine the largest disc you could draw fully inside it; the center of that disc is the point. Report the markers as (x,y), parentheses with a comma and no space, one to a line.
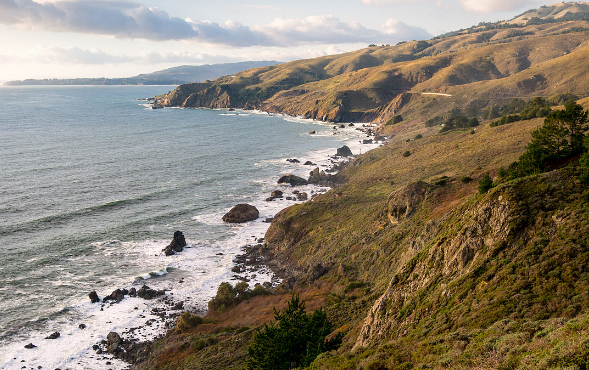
(123,38)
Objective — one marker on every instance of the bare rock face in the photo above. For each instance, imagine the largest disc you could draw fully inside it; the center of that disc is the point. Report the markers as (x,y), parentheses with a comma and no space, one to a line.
(241,213)
(403,202)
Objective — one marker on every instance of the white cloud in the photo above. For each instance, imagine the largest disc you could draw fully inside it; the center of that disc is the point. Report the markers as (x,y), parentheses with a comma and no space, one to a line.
(128,19)
(74,55)
(491,6)
(403,31)
(384,2)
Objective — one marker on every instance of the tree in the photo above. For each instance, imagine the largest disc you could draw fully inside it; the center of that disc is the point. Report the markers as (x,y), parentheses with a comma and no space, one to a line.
(294,341)
(560,137)
(485,184)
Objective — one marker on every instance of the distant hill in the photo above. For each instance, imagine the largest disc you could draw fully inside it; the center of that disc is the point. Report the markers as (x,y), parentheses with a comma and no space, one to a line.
(171,76)
(542,52)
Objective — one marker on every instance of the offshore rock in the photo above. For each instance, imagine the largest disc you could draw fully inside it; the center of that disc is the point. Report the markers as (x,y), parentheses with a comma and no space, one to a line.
(241,213)
(177,245)
(53,336)
(292,180)
(117,295)
(146,292)
(93,297)
(113,340)
(344,151)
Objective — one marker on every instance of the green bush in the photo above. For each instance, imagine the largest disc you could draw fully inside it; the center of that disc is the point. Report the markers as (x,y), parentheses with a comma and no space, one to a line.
(228,296)
(406,153)
(187,321)
(294,341)
(485,184)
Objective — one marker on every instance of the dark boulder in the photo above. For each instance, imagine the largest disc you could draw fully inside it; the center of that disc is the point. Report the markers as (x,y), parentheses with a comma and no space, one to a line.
(367,141)
(241,213)
(117,295)
(113,340)
(93,297)
(276,194)
(146,292)
(177,245)
(292,180)
(132,292)
(53,336)
(344,151)
(309,163)
(30,346)
(312,132)
(82,326)
(293,160)
(302,196)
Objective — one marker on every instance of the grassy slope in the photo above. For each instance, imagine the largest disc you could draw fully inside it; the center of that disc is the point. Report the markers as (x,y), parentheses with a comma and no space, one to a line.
(412,295)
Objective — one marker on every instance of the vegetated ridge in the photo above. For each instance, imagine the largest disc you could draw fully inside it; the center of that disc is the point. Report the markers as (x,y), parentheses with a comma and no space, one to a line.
(488,63)
(170,76)
(434,251)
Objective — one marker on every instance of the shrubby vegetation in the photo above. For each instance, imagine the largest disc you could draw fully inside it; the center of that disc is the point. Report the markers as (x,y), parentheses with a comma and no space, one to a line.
(294,341)
(561,137)
(229,296)
(394,120)
(535,108)
(452,120)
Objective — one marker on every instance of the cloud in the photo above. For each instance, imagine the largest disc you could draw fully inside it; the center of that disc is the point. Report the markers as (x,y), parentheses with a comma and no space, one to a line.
(491,6)
(128,19)
(384,2)
(74,55)
(403,31)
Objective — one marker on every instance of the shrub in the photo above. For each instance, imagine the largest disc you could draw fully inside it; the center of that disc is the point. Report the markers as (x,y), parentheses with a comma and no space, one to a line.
(418,136)
(187,321)
(406,153)
(466,179)
(228,296)
(294,341)
(485,184)
(394,120)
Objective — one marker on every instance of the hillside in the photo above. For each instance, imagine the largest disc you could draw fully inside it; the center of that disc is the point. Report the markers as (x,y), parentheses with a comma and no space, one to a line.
(489,63)
(414,265)
(170,76)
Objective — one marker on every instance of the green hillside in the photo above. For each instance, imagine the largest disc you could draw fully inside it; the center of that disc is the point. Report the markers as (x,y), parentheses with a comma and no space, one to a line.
(415,263)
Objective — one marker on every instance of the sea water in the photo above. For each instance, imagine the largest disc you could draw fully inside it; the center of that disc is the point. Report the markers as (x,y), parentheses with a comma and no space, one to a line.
(93,184)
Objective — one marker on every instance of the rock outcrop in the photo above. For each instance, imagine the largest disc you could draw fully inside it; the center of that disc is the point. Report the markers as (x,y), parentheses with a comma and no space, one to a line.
(241,213)
(509,239)
(293,180)
(177,245)
(403,203)
(344,151)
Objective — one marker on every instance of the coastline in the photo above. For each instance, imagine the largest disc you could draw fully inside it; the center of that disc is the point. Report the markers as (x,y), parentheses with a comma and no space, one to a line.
(159,314)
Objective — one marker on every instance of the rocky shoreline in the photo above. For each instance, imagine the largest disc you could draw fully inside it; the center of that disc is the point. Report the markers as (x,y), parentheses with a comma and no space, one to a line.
(127,347)
(160,316)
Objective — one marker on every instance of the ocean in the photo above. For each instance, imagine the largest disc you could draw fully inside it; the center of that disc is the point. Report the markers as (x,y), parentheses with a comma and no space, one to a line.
(93,185)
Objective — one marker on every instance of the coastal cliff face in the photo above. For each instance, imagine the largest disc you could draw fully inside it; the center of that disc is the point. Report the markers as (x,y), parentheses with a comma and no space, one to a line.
(519,252)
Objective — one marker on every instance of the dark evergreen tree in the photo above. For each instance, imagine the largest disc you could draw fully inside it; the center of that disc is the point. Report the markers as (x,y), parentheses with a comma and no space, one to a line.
(294,341)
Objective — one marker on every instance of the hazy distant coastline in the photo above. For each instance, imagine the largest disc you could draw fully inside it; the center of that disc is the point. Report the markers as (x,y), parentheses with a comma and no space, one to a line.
(171,76)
